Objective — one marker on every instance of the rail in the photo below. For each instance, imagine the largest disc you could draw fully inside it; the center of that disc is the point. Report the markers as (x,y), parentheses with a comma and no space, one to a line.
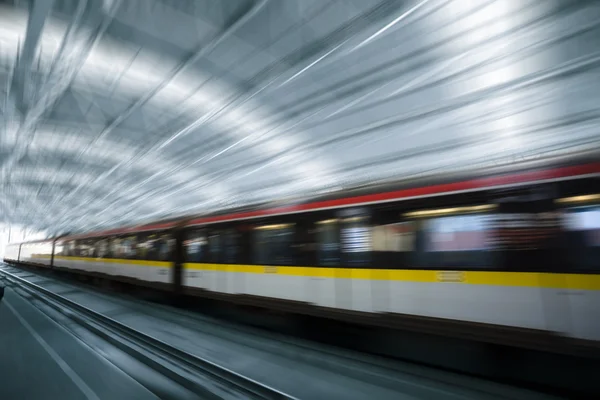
(154,352)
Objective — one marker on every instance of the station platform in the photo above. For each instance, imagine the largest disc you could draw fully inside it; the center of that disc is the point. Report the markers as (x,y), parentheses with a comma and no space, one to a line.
(41,360)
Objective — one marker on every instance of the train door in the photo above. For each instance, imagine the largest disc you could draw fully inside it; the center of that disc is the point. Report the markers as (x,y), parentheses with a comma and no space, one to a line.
(393,241)
(178,258)
(527,232)
(353,283)
(528,237)
(579,204)
(324,242)
(194,256)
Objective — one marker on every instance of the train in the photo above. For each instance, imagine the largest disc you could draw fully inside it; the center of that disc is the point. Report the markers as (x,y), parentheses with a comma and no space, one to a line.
(508,249)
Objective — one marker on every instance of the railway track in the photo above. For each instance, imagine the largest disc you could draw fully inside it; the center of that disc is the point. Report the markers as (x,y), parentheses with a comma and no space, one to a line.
(202,377)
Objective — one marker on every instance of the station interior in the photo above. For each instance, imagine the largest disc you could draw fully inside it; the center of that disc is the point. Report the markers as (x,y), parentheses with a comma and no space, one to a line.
(299,199)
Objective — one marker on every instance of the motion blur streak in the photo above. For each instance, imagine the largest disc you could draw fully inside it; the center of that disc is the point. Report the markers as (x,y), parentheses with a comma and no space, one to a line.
(125,112)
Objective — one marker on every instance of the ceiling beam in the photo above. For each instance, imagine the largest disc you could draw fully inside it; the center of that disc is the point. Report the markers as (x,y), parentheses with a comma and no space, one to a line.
(22,87)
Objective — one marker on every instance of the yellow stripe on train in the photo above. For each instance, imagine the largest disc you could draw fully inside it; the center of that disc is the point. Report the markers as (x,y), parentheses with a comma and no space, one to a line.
(142,263)
(526,279)
(495,278)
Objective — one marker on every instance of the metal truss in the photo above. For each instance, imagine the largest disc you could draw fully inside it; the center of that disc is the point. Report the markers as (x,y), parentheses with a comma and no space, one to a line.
(101,128)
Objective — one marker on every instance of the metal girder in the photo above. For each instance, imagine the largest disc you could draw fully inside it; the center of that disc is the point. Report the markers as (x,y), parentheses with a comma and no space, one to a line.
(95,193)
(121,190)
(339,46)
(59,79)
(199,53)
(39,187)
(359,92)
(106,151)
(342,43)
(23,90)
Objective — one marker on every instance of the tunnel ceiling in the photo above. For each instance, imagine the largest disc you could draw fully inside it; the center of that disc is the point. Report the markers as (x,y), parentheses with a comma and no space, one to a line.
(122,112)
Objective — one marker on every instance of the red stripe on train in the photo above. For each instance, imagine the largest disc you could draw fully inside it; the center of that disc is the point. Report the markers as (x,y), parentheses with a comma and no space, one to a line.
(482,183)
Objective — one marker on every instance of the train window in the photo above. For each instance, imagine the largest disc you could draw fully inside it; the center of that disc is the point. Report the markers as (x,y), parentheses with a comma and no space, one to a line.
(524,231)
(458,233)
(397,237)
(328,250)
(113,247)
(223,246)
(124,247)
(87,248)
(129,247)
(458,237)
(148,248)
(215,246)
(73,248)
(273,244)
(196,246)
(70,249)
(356,241)
(59,249)
(230,246)
(82,249)
(102,248)
(393,244)
(154,246)
(582,233)
(306,244)
(144,246)
(459,241)
(529,241)
(162,247)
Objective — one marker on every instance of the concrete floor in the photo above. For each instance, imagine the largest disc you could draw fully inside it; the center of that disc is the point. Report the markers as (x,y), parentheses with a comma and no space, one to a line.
(41,360)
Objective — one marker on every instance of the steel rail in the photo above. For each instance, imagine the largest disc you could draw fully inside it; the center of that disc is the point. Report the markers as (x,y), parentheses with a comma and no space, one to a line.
(197,366)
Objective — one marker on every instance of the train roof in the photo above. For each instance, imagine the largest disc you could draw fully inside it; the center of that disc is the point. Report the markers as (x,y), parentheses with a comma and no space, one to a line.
(414,188)
(383,191)
(157,226)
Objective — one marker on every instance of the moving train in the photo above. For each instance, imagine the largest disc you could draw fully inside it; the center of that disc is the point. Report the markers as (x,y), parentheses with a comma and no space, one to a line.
(508,249)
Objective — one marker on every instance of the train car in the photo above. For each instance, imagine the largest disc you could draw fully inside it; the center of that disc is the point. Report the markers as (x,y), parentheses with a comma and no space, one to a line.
(513,249)
(143,255)
(37,253)
(11,253)
(517,250)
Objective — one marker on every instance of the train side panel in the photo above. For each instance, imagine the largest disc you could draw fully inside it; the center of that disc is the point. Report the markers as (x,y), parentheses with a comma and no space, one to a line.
(583,304)
(522,253)
(143,270)
(141,256)
(549,302)
(38,253)
(11,253)
(518,258)
(285,283)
